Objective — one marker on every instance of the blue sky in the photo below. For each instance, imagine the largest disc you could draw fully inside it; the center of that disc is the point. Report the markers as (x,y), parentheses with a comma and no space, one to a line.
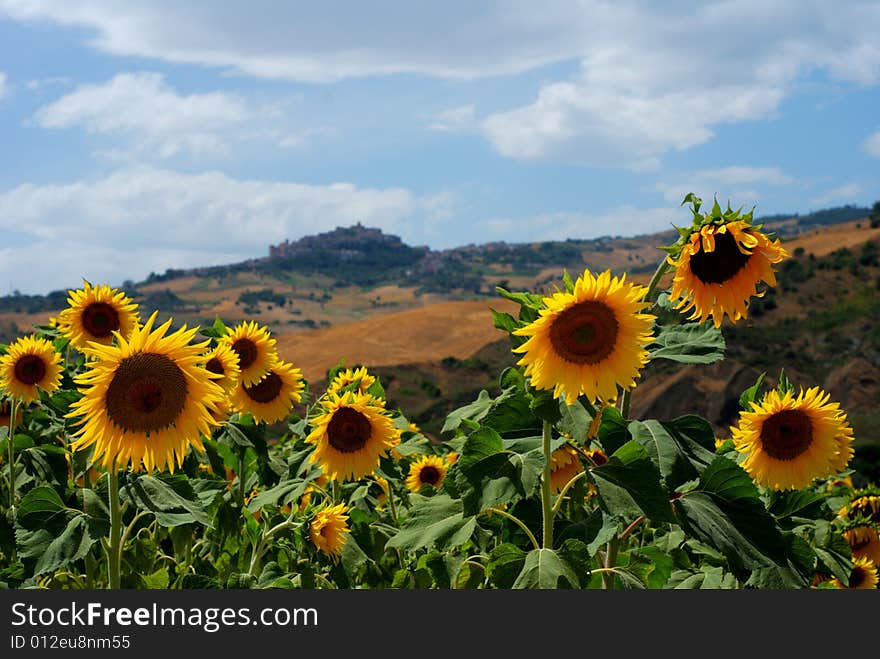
(141,135)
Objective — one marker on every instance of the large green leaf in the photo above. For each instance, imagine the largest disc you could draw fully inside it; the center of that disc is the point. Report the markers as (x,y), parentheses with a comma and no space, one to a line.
(691,343)
(832,550)
(504,565)
(170,498)
(725,512)
(492,471)
(630,470)
(434,521)
(595,530)
(41,508)
(575,420)
(74,542)
(673,447)
(545,569)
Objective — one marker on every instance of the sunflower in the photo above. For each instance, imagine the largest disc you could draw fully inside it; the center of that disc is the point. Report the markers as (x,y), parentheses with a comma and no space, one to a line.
(866,506)
(94,313)
(427,470)
(6,414)
(316,485)
(720,261)
(351,434)
(222,360)
(255,348)
(564,465)
(588,341)
(864,541)
(329,530)
(789,441)
(30,364)
(146,400)
(348,377)
(272,398)
(862,577)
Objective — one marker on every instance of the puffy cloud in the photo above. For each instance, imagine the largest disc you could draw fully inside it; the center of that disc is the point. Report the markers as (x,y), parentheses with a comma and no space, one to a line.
(739,184)
(871,145)
(143,107)
(454,119)
(844,193)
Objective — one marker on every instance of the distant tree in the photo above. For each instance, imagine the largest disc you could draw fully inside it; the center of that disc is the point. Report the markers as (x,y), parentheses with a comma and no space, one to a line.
(875,215)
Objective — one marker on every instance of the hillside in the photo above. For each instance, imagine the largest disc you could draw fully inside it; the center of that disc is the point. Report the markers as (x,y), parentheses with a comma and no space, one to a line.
(423,323)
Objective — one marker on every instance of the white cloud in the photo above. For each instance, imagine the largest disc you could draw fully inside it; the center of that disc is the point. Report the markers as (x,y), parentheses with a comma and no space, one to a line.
(2,84)
(845,193)
(871,145)
(740,184)
(135,221)
(142,107)
(454,119)
(621,221)
(651,79)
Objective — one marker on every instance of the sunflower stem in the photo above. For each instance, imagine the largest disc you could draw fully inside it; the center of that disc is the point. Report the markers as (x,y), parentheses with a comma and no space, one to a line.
(561,496)
(90,560)
(546,494)
(610,560)
(241,479)
(114,552)
(516,520)
(10,451)
(655,280)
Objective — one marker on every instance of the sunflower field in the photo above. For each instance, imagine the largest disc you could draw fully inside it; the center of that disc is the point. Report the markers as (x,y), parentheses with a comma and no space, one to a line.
(140,455)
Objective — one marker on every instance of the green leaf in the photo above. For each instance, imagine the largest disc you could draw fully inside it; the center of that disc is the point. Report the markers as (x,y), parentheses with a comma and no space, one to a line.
(596,529)
(544,406)
(158,580)
(726,513)
(480,445)
(544,569)
(72,544)
(832,550)
(504,565)
(631,470)
(799,504)
(434,521)
(41,508)
(472,411)
(652,565)
(678,456)
(691,343)
(574,419)
(750,394)
(613,429)
(170,498)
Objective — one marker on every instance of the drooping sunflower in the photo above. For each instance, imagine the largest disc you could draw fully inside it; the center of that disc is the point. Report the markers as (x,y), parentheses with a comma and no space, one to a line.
(719,262)
(272,398)
(791,440)
(30,364)
(864,505)
(328,530)
(146,400)
(427,470)
(351,434)
(864,541)
(348,377)
(94,313)
(862,577)
(565,464)
(222,360)
(255,348)
(590,340)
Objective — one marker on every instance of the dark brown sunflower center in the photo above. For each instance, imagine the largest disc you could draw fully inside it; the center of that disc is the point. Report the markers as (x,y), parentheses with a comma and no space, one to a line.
(429,475)
(30,369)
(100,319)
(857,577)
(214,366)
(786,434)
(585,333)
(147,393)
(720,265)
(348,430)
(266,390)
(246,351)
(599,458)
